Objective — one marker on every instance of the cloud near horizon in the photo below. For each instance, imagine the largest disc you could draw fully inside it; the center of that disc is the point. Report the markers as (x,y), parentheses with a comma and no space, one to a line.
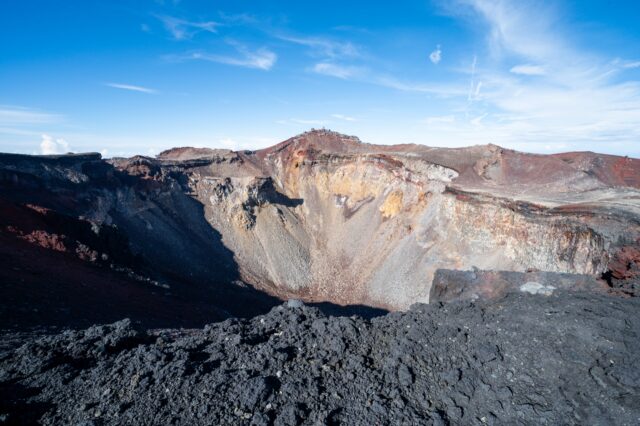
(343,117)
(581,102)
(51,146)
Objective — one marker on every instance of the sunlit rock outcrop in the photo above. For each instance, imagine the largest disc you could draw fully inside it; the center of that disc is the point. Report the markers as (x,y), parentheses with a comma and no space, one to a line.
(325,217)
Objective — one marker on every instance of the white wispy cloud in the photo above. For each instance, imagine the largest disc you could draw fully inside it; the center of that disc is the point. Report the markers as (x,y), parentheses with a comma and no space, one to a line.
(345,60)
(512,26)
(436,55)
(343,117)
(629,65)
(366,75)
(328,48)
(131,88)
(441,119)
(21,116)
(50,146)
(527,69)
(182,29)
(262,59)
(444,90)
(579,97)
(474,87)
(477,121)
(229,143)
(336,70)
(239,18)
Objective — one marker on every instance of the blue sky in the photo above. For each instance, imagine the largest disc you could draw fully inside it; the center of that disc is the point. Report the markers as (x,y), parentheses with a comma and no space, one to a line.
(125,77)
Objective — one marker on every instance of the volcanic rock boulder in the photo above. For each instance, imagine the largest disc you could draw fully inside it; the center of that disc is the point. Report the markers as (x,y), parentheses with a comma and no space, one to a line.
(449,285)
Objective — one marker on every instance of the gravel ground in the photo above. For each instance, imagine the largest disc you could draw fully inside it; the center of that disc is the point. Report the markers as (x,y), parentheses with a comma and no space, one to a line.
(568,358)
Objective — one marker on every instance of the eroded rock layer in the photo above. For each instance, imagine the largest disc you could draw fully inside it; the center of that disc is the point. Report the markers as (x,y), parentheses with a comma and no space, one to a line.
(325,217)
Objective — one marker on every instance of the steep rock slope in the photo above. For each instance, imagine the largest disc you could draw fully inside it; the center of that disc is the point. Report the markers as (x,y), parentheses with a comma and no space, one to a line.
(326,217)
(323,217)
(83,242)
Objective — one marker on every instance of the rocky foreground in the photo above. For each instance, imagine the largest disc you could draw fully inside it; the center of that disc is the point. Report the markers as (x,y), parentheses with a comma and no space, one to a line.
(568,358)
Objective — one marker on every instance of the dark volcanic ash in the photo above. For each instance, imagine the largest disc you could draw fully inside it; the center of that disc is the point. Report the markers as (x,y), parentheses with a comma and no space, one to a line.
(568,358)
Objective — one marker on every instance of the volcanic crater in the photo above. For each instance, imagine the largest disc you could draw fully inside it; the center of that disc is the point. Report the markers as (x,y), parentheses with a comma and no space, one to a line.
(320,217)
(349,230)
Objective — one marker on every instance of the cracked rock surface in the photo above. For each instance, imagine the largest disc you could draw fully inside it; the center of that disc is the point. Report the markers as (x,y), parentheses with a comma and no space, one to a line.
(568,358)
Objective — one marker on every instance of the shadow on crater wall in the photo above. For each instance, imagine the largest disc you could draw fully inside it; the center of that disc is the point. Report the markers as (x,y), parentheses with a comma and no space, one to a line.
(161,235)
(156,233)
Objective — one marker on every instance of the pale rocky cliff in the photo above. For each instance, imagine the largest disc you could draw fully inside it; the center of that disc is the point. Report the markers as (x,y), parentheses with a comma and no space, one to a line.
(325,217)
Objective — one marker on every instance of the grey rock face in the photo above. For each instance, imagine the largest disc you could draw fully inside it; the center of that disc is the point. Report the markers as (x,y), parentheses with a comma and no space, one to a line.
(294,303)
(451,285)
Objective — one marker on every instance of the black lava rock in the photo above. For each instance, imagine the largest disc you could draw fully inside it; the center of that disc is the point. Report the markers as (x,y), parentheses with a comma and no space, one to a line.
(569,358)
